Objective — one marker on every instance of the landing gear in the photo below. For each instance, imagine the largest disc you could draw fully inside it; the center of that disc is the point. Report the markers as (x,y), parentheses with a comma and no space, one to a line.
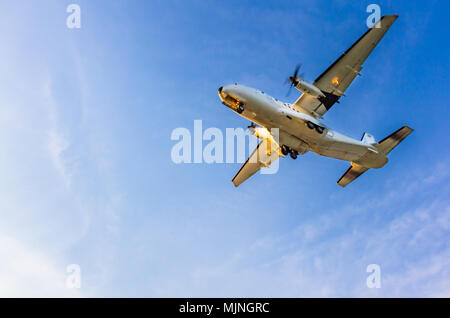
(293,154)
(284,150)
(240,108)
(311,126)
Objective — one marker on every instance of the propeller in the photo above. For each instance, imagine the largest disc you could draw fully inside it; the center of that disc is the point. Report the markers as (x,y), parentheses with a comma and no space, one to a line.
(294,79)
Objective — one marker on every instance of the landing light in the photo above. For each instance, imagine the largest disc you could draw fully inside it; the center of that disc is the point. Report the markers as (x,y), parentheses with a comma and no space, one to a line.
(335,81)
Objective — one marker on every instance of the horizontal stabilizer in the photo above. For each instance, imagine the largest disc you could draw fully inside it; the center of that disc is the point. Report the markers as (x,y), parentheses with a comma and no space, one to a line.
(351,174)
(390,142)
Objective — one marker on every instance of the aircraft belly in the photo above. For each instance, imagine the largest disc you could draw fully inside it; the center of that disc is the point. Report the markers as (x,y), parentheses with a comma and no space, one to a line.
(337,153)
(296,135)
(261,113)
(348,151)
(359,154)
(372,159)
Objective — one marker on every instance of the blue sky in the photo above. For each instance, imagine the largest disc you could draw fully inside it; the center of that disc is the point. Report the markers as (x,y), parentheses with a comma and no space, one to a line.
(85,122)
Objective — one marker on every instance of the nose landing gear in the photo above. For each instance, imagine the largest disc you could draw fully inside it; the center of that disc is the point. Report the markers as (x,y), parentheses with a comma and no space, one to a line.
(240,108)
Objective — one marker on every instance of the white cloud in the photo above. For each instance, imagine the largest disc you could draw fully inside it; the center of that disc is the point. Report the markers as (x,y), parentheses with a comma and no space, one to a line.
(25,272)
(49,165)
(57,144)
(328,255)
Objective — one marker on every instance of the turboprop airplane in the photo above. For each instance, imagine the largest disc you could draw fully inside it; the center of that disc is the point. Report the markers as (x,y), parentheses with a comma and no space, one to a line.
(300,128)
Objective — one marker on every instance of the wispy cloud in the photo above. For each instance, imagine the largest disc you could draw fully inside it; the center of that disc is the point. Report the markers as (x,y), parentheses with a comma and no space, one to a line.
(57,142)
(328,255)
(25,272)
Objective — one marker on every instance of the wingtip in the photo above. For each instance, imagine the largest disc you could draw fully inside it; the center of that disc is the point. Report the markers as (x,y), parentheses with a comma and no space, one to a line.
(393,15)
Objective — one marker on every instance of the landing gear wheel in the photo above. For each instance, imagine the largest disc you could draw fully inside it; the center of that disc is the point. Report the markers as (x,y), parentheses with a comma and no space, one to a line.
(240,108)
(319,129)
(284,150)
(310,125)
(293,154)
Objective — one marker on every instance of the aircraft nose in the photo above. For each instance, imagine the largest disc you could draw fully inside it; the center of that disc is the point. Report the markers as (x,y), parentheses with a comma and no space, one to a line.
(229,91)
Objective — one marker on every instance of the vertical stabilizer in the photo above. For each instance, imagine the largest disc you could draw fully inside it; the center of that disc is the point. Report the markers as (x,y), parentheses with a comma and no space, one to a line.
(368,139)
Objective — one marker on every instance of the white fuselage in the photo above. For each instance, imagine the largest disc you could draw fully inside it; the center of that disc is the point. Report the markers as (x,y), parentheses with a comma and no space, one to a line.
(294,130)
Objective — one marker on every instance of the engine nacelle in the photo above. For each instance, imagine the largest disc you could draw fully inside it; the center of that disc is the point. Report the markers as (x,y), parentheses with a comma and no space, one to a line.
(309,89)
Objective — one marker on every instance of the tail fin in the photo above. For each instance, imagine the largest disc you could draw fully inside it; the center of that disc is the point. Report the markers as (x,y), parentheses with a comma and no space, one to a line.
(390,142)
(368,139)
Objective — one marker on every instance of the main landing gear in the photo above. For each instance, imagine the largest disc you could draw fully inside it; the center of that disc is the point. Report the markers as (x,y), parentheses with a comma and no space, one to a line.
(293,154)
(285,151)
(311,125)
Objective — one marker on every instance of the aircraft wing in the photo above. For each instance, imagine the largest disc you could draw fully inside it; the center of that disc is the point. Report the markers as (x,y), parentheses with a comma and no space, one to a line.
(339,75)
(265,153)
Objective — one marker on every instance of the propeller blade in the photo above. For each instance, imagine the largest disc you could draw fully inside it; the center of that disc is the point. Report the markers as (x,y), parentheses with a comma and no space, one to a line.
(294,78)
(289,90)
(297,68)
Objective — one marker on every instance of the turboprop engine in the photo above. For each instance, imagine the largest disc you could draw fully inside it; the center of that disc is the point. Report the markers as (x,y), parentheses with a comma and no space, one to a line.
(303,86)
(308,88)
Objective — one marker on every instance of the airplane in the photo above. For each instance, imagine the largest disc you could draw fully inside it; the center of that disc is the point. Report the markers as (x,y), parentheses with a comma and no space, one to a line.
(300,128)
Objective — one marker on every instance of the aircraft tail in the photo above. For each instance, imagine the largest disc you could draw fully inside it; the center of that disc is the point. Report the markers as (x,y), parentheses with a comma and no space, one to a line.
(385,146)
